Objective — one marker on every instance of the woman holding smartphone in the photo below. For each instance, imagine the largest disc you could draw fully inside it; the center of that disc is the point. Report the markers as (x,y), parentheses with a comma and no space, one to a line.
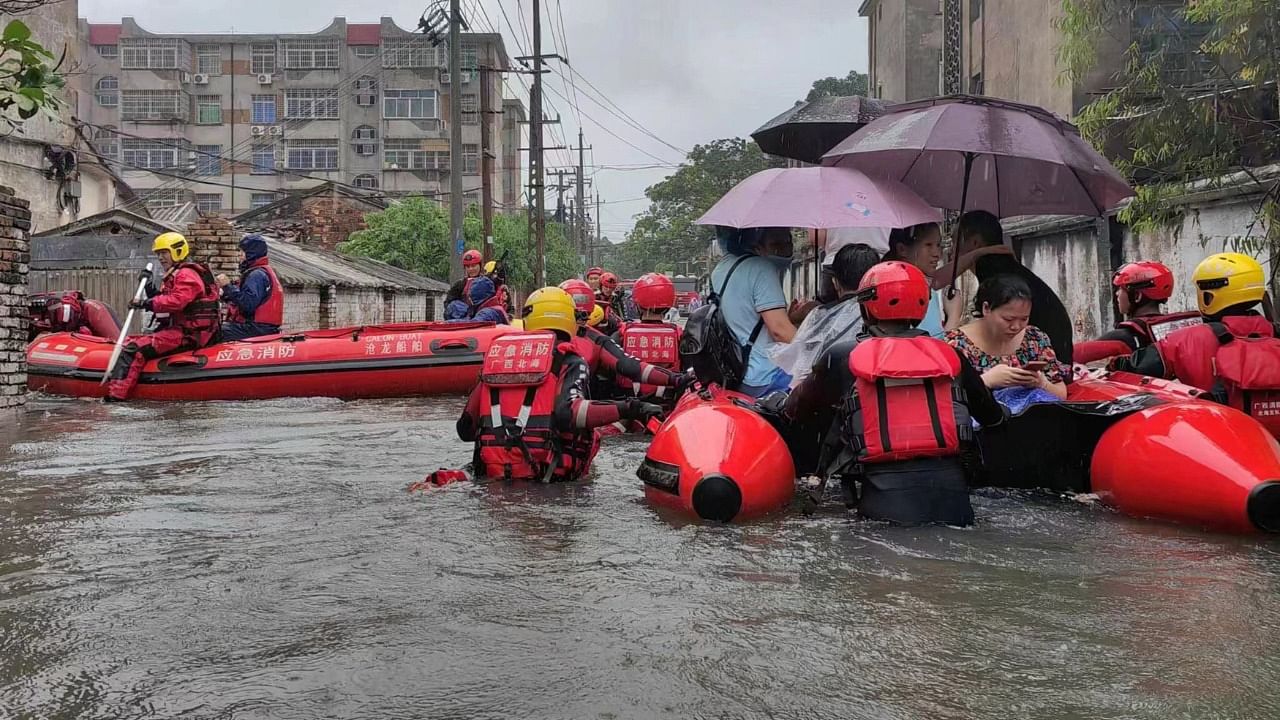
(1002,344)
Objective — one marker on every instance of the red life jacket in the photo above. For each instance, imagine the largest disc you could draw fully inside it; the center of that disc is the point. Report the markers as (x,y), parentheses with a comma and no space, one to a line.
(907,402)
(1190,354)
(497,302)
(271,311)
(202,317)
(1248,373)
(520,380)
(655,343)
(585,348)
(1153,328)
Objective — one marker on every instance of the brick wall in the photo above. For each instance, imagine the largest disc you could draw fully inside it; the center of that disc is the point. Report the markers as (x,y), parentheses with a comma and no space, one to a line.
(215,242)
(330,221)
(15,223)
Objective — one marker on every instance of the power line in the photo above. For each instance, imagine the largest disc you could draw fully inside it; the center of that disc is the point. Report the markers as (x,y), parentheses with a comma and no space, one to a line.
(623,117)
(607,130)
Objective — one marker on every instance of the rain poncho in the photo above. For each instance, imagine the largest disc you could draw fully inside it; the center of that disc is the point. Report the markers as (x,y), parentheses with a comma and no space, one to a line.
(824,327)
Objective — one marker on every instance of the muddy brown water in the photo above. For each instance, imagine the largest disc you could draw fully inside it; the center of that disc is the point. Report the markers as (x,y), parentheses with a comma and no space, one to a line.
(264,560)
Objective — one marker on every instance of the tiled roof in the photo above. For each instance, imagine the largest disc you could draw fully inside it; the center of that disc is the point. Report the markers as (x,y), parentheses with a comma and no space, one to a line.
(104,34)
(311,267)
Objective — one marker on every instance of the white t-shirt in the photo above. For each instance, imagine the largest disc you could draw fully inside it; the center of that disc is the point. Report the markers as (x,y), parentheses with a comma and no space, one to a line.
(877,238)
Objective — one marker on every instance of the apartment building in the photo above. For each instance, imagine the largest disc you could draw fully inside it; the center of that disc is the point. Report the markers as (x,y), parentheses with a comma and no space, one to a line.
(232,122)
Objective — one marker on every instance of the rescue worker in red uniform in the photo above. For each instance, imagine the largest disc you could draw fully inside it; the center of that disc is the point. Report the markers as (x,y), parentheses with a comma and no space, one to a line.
(472,265)
(187,310)
(651,339)
(69,311)
(593,278)
(1141,288)
(611,300)
(900,404)
(1235,353)
(604,356)
(531,417)
(255,305)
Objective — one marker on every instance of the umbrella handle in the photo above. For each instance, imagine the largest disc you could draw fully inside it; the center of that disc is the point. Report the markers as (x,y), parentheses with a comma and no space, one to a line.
(955,251)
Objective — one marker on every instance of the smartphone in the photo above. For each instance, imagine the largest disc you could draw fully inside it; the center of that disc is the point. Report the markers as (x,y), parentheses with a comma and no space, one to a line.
(1036,366)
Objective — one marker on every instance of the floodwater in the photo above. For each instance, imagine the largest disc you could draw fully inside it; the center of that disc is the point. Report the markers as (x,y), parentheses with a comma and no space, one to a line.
(264,560)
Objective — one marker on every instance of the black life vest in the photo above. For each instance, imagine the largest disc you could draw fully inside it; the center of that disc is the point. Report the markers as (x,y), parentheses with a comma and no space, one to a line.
(1151,329)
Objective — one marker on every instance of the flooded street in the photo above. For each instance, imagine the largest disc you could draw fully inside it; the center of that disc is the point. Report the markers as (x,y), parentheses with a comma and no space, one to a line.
(264,560)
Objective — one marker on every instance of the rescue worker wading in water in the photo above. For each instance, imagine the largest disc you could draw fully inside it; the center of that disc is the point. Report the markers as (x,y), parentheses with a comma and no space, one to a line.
(1235,353)
(187,310)
(904,406)
(531,417)
(1141,288)
(651,338)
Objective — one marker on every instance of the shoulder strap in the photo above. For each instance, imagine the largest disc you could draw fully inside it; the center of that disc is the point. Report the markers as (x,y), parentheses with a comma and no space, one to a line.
(1221,332)
(732,269)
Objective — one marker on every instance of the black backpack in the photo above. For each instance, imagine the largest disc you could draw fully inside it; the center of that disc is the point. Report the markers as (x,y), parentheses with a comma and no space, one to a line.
(708,345)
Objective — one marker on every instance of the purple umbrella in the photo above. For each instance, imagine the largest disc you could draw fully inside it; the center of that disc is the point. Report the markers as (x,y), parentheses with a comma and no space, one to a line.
(819,197)
(972,153)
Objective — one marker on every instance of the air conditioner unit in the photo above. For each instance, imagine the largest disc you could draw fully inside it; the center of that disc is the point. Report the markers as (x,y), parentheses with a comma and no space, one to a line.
(200,79)
(275,130)
(264,78)
(258,130)
(185,78)
(445,77)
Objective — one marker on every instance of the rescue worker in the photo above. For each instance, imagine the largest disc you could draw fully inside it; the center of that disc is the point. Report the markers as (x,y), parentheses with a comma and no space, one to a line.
(899,404)
(471,267)
(593,278)
(1235,353)
(255,305)
(531,417)
(69,311)
(487,305)
(651,338)
(497,272)
(186,308)
(1141,288)
(612,301)
(604,356)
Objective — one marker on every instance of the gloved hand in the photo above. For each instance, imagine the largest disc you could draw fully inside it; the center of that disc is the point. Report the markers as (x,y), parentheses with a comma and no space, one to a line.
(773,402)
(685,381)
(147,304)
(638,410)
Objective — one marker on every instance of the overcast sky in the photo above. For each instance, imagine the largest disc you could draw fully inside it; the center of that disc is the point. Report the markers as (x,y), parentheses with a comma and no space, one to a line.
(688,71)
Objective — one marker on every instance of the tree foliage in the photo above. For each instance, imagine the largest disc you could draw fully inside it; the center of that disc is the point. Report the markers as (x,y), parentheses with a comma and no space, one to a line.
(28,80)
(1175,117)
(413,234)
(855,83)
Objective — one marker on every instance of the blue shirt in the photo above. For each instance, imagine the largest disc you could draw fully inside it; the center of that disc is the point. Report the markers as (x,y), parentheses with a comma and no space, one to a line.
(250,293)
(932,322)
(756,286)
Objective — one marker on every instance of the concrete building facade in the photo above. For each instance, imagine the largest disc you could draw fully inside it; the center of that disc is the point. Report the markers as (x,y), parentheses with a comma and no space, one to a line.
(905,43)
(233,122)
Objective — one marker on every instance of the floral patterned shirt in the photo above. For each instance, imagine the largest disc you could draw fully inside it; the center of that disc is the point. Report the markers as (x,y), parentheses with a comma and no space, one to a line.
(1035,347)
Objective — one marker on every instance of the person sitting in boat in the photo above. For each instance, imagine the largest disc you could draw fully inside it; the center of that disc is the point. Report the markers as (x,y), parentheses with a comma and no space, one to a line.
(472,261)
(593,278)
(981,241)
(69,311)
(497,272)
(899,404)
(457,311)
(531,416)
(604,356)
(186,308)
(1015,357)
(485,303)
(651,338)
(1235,353)
(255,305)
(1141,288)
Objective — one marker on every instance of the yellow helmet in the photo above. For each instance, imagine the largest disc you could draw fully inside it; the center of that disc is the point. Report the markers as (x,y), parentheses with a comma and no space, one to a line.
(1226,280)
(175,243)
(490,266)
(550,309)
(597,317)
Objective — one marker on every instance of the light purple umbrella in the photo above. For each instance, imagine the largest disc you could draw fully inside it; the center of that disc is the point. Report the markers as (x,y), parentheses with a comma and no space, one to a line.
(970,153)
(819,197)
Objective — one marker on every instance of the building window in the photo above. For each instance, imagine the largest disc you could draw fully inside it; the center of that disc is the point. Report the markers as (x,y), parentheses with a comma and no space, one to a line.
(106,141)
(365,138)
(151,54)
(208,202)
(107,91)
(153,105)
(413,52)
(409,104)
(149,154)
(365,52)
(366,91)
(108,51)
(209,59)
(208,159)
(471,109)
(262,58)
(209,109)
(310,53)
(311,104)
(313,155)
(1163,34)
(264,109)
(261,200)
(471,159)
(264,159)
(368,182)
(470,61)
(156,199)
(408,154)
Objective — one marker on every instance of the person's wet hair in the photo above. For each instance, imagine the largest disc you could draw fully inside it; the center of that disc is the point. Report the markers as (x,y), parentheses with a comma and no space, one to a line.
(981,223)
(906,237)
(851,263)
(999,290)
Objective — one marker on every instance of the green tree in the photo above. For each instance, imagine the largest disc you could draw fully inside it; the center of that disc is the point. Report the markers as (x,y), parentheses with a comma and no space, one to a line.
(28,82)
(855,83)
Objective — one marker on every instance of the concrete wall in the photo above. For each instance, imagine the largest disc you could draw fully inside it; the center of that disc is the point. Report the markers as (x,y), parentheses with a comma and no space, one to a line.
(923,45)
(906,47)
(301,308)
(15,220)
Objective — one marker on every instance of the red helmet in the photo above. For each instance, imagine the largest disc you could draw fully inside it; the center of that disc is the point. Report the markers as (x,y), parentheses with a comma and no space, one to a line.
(472,258)
(895,290)
(654,291)
(1148,280)
(608,280)
(595,271)
(584,298)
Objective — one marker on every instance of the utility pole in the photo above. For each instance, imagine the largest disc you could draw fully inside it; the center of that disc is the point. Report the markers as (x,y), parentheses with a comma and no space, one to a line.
(580,239)
(456,201)
(486,162)
(535,150)
(592,246)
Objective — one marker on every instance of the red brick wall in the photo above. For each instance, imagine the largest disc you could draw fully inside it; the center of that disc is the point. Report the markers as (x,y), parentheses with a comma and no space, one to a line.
(215,242)
(15,223)
(330,221)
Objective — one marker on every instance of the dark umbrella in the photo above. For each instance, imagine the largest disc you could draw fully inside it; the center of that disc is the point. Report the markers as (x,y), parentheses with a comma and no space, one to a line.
(810,129)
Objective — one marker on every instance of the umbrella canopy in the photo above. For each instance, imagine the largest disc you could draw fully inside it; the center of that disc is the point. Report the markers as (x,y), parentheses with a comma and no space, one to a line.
(971,153)
(819,197)
(808,130)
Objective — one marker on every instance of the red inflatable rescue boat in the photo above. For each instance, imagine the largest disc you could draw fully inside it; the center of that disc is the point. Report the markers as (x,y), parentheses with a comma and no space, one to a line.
(374,361)
(717,458)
